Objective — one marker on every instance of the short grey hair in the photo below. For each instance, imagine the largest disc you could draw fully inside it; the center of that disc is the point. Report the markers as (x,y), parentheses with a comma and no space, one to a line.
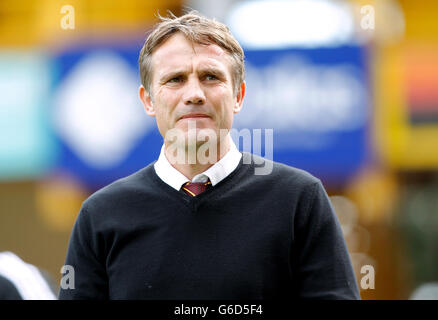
(197,29)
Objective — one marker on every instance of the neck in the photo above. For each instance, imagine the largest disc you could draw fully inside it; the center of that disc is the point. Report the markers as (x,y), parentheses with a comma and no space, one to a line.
(191,161)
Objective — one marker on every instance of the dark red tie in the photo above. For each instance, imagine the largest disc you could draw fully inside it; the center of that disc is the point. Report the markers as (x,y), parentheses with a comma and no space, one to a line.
(195,188)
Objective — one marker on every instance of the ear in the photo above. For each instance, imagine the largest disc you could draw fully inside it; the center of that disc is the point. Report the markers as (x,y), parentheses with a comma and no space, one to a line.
(239,98)
(147,101)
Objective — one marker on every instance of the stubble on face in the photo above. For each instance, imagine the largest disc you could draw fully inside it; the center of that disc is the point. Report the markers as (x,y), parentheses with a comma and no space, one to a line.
(177,56)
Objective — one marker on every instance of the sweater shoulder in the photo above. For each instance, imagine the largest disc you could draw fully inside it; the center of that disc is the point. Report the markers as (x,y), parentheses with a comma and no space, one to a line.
(280,172)
(122,188)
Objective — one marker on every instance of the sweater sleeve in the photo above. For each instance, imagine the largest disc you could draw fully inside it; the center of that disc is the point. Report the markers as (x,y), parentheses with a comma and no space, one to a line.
(322,262)
(84,262)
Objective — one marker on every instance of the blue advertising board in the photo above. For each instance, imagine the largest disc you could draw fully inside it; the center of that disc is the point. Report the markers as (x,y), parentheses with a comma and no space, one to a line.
(316,101)
(103,130)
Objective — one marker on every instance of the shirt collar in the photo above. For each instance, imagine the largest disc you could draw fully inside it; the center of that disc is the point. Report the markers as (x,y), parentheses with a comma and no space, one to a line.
(216,173)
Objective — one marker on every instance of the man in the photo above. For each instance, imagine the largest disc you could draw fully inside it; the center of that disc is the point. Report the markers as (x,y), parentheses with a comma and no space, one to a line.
(204,225)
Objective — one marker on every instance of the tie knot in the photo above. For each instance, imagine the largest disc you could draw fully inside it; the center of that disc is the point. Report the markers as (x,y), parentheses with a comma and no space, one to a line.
(195,188)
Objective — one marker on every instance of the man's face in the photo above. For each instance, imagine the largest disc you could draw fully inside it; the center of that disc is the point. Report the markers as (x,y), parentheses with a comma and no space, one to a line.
(191,83)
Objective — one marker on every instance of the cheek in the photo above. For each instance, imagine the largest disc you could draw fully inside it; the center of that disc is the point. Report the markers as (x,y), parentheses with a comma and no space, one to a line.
(222,97)
(161,124)
(226,102)
(165,105)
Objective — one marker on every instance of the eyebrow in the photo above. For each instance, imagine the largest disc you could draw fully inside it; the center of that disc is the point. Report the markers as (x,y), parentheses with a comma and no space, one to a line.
(211,70)
(170,75)
(203,71)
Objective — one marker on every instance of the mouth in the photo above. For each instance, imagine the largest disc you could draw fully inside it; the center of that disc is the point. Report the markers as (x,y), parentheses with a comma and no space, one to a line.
(194,116)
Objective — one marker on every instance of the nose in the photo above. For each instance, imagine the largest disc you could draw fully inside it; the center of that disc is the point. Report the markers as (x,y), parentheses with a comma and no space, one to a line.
(194,94)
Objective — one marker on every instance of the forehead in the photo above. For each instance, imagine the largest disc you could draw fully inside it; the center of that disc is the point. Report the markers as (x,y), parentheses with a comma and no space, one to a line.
(178,52)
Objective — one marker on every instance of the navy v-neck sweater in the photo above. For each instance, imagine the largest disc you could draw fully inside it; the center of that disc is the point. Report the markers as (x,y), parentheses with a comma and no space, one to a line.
(249,237)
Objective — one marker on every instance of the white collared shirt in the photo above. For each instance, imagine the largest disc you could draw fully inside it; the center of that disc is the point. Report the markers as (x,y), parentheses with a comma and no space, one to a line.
(216,173)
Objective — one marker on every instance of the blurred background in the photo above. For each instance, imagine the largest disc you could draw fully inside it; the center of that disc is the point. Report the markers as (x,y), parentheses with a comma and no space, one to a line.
(349,87)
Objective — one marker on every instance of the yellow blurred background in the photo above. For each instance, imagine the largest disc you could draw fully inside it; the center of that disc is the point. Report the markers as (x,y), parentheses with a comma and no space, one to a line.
(388,210)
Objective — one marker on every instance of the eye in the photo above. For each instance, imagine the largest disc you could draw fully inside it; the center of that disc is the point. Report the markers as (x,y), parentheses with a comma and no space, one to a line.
(210,77)
(175,80)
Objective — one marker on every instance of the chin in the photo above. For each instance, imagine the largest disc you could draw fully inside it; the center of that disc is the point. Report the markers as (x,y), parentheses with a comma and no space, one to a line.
(182,136)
